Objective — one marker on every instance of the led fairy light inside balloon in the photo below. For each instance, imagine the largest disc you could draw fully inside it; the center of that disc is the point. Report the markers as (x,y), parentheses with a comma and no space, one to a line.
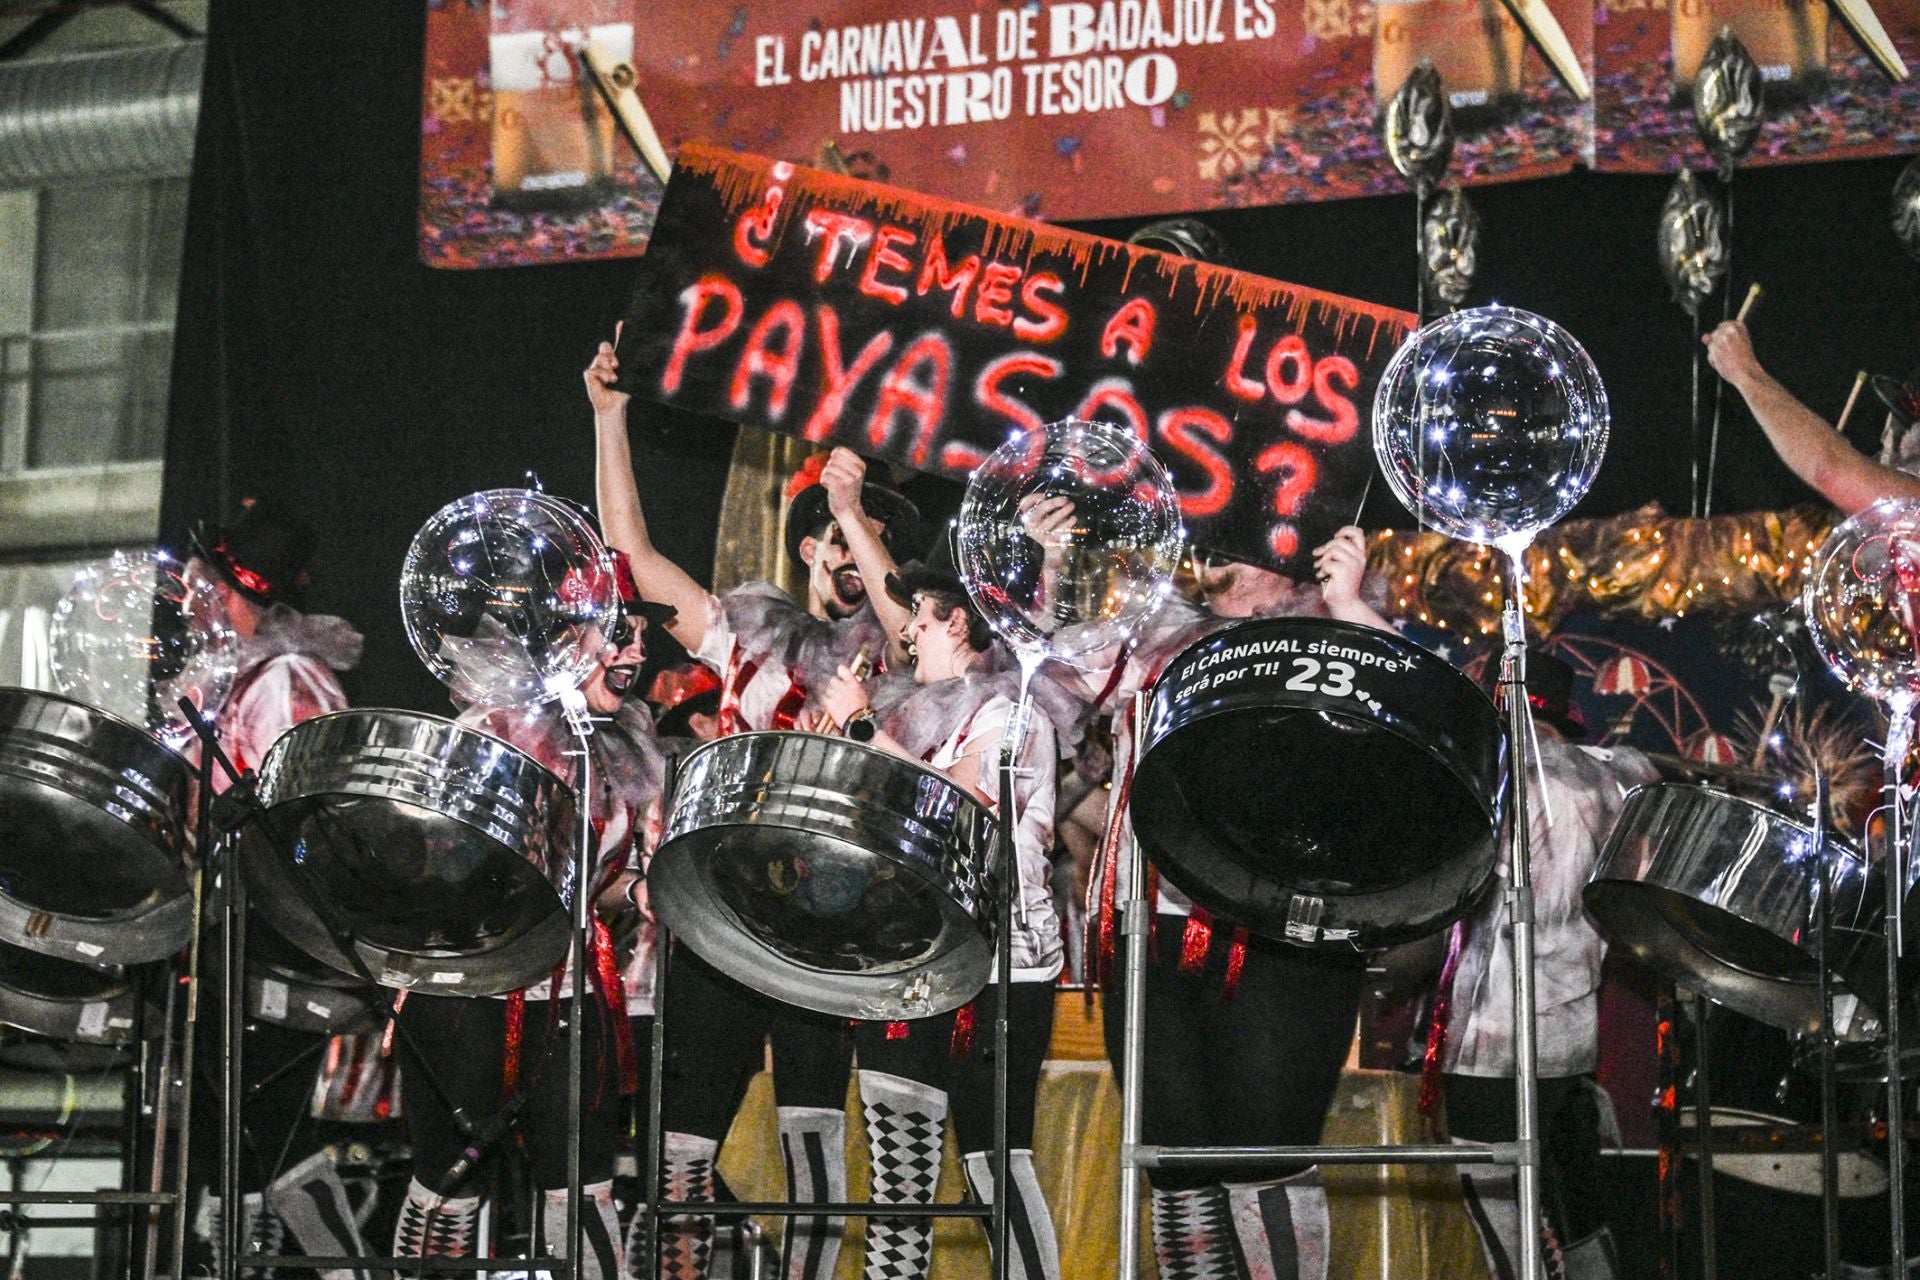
(507,596)
(136,633)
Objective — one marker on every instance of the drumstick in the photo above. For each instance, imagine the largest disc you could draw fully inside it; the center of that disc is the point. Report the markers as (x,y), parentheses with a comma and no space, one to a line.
(862,664)
(1753,296)
(1859,381)
(615,81)
(1781,686)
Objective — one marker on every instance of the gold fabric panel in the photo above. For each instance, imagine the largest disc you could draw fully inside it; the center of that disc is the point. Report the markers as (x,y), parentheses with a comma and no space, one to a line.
(751,545)
(1393,1223)
(1644,564)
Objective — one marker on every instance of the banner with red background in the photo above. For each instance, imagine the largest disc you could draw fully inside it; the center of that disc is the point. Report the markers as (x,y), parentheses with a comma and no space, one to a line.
(1092,108)
(924,332)
(1065,111)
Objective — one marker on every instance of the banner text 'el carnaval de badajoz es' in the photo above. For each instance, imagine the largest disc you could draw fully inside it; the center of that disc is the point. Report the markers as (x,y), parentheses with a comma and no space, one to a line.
(1097,108)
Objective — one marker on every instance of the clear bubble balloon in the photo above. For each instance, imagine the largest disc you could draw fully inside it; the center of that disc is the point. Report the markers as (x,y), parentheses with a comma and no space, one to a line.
(135,634)
(1490,425)
(1068,538)
(1860,599)
(508,597)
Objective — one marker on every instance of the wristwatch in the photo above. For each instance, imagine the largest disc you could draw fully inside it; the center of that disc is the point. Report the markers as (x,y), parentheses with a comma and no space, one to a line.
(860,725)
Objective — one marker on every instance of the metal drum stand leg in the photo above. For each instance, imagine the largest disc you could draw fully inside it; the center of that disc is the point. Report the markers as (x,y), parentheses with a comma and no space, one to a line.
(1899,738)
(1136,1155)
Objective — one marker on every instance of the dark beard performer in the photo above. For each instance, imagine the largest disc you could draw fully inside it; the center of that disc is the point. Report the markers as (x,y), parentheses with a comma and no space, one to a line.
(776,658)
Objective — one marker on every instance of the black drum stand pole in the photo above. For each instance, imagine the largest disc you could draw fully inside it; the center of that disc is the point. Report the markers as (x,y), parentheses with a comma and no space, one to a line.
(656,1137)
(1526,1050)
(233,991)
(1008,860)
(1133,958)
(1829,1095)
(1899,738)
(583,890)
(1703,1137)
(177,1254)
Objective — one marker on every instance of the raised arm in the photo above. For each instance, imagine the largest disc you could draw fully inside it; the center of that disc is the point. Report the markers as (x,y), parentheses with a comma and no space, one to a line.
(1805,441)
(843,477)
(623,521)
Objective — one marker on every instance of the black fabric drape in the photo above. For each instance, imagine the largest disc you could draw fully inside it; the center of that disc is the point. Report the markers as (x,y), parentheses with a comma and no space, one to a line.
(317,360)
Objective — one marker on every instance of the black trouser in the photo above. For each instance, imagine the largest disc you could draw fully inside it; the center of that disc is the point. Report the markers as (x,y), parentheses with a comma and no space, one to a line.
(1481,1109)
(717,1032)
(1255,1067)
(462,1042)
(927,1053)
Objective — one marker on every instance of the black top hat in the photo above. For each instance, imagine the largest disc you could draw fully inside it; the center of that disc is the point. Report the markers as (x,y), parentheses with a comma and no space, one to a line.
(898,518)
(631,603)
(938,572)
(1901,398)
(1550,693)
(264,554)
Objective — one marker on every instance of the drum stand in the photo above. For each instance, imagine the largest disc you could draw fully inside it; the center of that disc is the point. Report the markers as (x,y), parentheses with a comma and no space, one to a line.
(1899,739)
(1524,1153)
(1007,865)
(244,808)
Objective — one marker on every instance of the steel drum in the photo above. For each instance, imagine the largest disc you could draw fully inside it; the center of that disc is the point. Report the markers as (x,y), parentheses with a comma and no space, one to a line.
(72,1003)
(443,853)
(829,875)
(93,834)
(286,986)
(1321,783)
(1719,893)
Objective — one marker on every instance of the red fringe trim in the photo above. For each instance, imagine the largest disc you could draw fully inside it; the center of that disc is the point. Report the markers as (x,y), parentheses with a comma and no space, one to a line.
(1196,940)
(516,1031)
(898,1031)
(961,1045)
(1236,965)
(1430,1080)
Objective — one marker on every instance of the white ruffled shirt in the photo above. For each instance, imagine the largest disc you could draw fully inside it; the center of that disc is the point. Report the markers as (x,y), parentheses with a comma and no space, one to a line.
(1038,946)
(1585,789)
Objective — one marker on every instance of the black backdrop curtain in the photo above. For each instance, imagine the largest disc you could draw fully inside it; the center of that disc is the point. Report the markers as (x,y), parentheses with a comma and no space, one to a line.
(318,361)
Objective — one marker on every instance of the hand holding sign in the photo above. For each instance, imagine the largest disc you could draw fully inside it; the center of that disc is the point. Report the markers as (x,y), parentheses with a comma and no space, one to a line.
(924,334)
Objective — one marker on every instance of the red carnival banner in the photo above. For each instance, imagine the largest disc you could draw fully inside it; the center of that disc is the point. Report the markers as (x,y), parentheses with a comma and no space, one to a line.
(1075,109)
(923,332)
(1080,109)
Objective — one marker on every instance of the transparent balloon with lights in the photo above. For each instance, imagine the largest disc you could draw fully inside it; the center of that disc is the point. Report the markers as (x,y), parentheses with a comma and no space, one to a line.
(508,597)
(1859,597)
(135,634)
(1490,424)
(1068,538)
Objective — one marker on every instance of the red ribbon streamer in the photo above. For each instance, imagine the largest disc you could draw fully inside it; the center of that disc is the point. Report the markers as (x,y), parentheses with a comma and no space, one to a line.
(1430,1082)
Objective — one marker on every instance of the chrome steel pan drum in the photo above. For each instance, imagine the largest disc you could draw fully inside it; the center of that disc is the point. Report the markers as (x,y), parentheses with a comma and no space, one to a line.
(286,986)
(1719,893)
(75,1003)
(443,852)
(1321,783)
(829,875)
(93,834)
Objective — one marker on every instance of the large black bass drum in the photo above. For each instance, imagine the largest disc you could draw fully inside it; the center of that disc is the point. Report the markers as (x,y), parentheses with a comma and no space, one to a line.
(1321,783)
